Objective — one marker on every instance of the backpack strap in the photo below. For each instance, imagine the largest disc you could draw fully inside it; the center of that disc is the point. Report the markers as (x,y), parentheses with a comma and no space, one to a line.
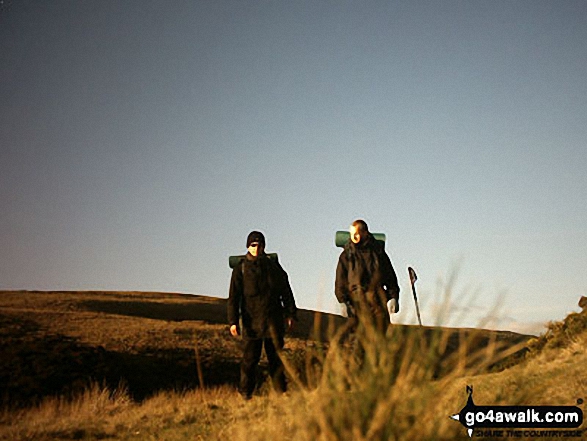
(351,255)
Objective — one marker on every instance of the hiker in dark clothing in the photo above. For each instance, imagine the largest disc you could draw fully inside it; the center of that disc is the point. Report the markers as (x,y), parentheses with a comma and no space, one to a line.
(260,295)
(366,280)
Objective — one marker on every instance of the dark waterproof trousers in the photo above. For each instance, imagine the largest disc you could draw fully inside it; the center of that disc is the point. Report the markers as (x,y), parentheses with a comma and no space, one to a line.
(370,310)
(252,355)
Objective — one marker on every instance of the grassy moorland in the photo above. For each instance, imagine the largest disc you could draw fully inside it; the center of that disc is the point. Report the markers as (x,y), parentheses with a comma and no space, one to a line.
(130,365)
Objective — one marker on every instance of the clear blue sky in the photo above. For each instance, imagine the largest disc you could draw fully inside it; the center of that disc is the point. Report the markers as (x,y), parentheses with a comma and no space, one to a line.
(141,141)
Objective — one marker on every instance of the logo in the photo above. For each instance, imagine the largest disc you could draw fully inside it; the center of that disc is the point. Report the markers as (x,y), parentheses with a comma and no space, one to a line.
(483,420)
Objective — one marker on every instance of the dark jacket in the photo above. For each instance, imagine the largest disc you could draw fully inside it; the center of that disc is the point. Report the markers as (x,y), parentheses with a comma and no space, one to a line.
(260,294)
(365,274)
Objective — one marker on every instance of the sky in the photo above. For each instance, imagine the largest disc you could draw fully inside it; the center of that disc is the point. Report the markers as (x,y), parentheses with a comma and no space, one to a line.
(141,141)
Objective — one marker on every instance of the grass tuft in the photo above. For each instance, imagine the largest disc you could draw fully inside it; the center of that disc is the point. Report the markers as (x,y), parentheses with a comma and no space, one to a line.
(560,334)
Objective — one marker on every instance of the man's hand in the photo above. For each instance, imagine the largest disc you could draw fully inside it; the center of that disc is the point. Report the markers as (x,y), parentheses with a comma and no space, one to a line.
(392,308)
(289,324)
(234,331)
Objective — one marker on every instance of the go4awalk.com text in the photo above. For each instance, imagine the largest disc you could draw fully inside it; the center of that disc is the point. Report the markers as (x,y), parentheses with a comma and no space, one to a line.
(520,421)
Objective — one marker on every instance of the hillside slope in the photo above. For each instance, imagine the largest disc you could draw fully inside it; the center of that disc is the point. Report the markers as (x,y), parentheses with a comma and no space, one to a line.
(57,342)
(162,347)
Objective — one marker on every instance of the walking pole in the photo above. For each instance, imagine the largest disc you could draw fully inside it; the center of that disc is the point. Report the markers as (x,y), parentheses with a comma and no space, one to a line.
(413,279)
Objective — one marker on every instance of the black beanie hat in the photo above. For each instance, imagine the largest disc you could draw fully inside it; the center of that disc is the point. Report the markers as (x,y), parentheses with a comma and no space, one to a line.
(255,236)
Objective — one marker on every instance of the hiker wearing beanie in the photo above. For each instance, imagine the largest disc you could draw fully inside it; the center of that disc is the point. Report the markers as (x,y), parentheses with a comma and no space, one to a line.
(365,278)
(260,295)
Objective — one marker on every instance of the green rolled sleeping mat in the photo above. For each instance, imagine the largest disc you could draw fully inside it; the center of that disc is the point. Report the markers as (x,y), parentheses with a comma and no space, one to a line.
(235,260)
(342,237)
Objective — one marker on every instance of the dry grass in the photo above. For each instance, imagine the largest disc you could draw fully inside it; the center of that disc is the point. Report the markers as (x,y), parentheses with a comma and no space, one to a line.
(99,413)
(402,386)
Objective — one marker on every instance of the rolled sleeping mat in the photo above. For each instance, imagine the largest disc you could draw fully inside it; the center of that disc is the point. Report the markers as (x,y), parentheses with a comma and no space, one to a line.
(235,260)
(342,237)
